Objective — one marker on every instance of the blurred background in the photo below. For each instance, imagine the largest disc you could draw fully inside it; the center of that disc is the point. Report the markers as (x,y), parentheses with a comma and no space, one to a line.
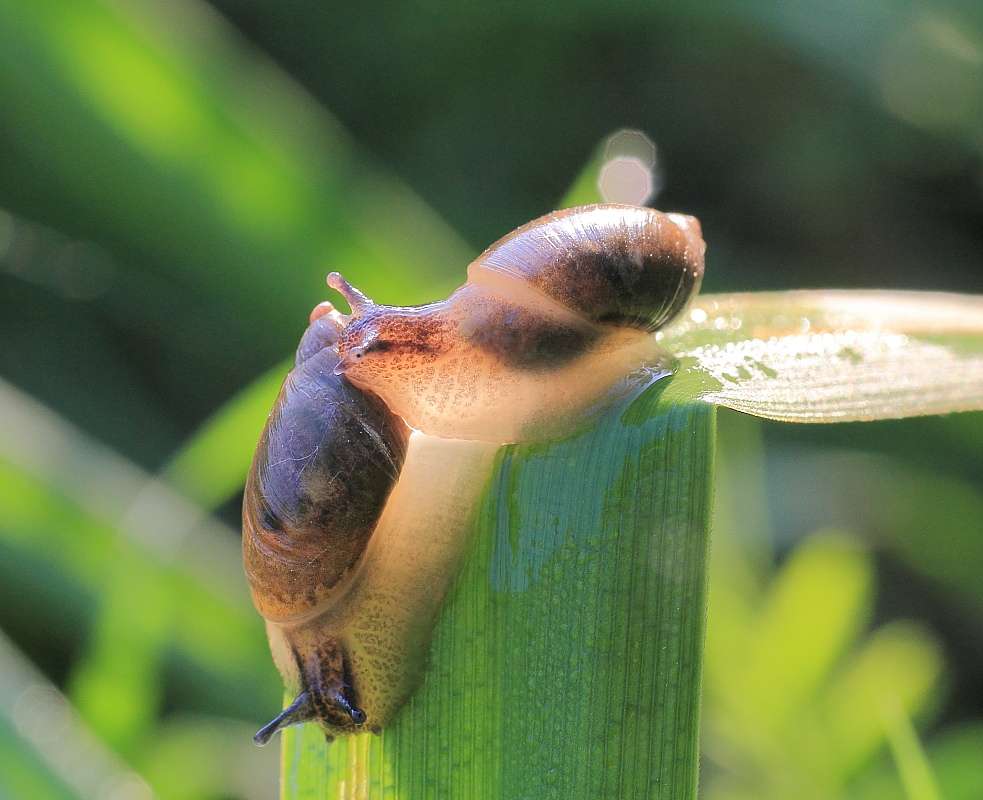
(177,177)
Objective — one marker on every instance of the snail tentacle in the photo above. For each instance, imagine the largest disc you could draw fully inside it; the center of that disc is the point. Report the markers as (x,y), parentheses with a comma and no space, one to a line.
(359,302)
(300,710)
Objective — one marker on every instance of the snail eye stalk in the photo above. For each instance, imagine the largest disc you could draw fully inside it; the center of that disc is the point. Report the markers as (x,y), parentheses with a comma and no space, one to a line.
(300,710)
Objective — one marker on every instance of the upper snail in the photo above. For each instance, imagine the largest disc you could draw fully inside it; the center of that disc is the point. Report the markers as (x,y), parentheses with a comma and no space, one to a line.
(552,317)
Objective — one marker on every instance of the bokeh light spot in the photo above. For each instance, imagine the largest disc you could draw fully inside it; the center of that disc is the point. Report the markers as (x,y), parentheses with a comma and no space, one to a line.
(631,144)
(625,180)
(629,174)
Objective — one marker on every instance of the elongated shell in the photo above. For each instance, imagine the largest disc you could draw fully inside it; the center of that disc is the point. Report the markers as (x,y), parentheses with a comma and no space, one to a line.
(610,264)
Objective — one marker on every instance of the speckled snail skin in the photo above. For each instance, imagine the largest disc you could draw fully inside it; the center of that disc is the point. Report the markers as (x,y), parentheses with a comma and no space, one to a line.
(353,529)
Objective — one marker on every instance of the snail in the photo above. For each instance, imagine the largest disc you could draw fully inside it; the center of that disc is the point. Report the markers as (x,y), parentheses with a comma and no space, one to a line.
(305,529)
(551,321)
(353,528)
(348,546)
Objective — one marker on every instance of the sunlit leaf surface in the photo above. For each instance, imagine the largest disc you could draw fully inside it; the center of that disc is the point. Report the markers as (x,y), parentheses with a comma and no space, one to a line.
(566,662)
(832,356)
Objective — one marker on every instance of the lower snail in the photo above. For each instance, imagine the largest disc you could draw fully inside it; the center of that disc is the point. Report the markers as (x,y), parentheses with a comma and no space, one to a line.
(353,529)
(306,530)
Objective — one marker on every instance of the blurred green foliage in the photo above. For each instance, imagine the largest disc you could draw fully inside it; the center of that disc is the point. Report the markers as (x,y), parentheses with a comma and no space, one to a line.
(173,190)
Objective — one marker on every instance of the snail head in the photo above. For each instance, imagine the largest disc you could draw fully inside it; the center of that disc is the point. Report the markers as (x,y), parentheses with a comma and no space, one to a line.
(361,341)
(377,339)
(359,332)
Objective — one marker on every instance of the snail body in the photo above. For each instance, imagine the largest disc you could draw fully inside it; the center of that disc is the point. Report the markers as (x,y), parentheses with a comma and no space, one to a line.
(353,529)
(306,528)
(552,320)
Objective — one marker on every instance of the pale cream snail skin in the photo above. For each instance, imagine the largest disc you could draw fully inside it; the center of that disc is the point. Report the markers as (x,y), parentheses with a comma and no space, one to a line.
(353,530)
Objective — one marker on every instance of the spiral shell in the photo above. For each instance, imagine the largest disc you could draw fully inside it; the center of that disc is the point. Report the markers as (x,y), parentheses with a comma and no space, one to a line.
(609,264)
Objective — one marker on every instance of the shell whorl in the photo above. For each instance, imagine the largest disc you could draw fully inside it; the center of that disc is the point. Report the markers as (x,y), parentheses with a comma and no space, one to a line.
(611,264)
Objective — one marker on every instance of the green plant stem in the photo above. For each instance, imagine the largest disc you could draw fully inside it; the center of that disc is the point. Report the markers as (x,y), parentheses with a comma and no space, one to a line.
(566,662)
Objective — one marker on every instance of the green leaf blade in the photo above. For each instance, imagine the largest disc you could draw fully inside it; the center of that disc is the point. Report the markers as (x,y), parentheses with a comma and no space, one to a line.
(567,659)
(834,356)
